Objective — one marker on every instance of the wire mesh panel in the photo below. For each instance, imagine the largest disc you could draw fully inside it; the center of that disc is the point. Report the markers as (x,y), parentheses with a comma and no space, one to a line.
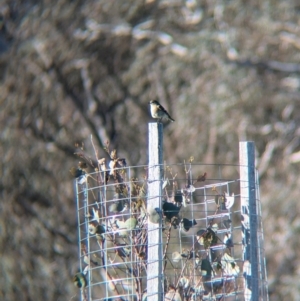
(112,234)
(202,234)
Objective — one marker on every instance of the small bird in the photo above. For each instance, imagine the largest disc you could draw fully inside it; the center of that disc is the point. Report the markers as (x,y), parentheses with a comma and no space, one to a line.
(158,111)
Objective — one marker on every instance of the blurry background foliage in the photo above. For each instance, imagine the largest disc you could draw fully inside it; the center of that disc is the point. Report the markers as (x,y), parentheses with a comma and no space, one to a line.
(225,70)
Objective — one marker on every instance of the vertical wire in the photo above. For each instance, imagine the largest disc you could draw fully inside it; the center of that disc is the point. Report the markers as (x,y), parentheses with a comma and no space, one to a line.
(231,237)
(205,207)
(193,237)
(221,193)
(207,214)
(261,243)
(179,235)
(89,272)
(130,279)
(79,226)
(104,244)
(78,220)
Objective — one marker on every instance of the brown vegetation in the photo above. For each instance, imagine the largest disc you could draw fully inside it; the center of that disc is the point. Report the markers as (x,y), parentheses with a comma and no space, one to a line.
(225,71)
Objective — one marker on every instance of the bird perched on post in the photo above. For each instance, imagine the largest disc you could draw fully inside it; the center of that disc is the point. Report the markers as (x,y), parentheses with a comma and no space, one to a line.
(158,111)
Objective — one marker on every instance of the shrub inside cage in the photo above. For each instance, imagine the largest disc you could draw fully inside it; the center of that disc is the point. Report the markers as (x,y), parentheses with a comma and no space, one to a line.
(201,226)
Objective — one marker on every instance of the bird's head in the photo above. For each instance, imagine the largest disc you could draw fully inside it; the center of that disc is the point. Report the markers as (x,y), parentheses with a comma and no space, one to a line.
(153,102)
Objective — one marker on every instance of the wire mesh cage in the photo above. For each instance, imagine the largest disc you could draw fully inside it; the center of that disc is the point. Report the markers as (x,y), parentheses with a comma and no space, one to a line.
(201,228)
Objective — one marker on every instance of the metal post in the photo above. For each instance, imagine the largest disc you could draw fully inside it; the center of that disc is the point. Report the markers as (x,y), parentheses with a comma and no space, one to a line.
(249,220)
(155,173)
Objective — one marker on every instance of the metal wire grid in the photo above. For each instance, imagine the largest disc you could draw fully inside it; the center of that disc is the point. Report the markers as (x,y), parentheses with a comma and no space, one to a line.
(111,250)
(209,263)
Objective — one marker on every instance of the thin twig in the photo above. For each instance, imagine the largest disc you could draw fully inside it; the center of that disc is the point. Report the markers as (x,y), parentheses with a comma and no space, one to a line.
(167,242)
